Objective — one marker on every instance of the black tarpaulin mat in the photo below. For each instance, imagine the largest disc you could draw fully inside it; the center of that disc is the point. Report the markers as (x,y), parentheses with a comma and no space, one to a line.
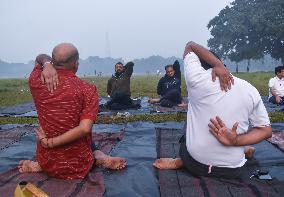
(13,135)
(17,109)
(181,183)
(139,147)
(28,109)
(271,107)
(18,142)
(174,109)
(91,185)
(143,101)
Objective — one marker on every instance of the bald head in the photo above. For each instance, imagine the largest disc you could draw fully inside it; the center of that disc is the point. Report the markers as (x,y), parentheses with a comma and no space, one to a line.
(65,55)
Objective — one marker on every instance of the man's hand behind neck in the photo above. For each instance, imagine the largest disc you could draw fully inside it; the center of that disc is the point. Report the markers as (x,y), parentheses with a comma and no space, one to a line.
(219,70)
(49,77)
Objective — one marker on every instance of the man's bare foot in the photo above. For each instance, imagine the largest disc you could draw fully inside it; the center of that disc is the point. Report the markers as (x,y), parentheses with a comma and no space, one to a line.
(154,100)
(105,161)
(249,152)
(29,166)
(182,105)
(168,163)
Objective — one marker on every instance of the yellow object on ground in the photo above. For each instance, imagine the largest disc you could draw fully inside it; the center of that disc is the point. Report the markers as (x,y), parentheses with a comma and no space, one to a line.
(25,189)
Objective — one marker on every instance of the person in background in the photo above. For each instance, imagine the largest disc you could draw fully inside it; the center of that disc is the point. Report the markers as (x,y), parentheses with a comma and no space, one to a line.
(169,87)
(276,87)
(118,88)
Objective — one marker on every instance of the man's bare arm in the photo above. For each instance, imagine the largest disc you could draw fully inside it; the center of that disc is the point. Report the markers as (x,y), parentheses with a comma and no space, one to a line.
(84,128)
(49,75)
(254,135)
(109,87)
(274,93)
(41,59)
(226,79)
(229,137)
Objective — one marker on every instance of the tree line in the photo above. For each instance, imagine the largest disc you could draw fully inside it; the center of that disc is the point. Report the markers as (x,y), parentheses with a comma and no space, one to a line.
(248,30)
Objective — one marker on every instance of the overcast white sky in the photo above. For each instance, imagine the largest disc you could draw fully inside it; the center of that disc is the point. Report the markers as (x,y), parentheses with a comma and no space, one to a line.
(135,28)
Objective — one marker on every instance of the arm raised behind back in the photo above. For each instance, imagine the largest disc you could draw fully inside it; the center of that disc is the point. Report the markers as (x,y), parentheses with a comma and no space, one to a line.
(226,79)
(49,74)
(83,129)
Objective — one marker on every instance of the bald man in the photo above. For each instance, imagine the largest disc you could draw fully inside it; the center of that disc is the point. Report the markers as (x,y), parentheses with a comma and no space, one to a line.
(66,115)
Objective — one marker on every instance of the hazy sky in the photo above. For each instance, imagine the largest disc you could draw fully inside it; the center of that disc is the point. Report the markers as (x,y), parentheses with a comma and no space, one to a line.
(135,29)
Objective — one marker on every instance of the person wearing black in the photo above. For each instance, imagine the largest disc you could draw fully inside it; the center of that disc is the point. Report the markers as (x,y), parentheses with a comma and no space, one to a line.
(169,87)
(118,88)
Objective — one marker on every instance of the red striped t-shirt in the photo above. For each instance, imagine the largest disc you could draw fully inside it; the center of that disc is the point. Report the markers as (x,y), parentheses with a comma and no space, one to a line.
(58,112)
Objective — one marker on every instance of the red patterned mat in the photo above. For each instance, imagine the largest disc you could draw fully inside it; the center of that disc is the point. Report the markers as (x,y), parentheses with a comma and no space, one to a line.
(92,185)
(277,139)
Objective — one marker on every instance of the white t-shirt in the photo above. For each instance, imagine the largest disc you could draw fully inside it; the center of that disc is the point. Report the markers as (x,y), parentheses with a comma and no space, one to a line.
(278,85)
(241,104)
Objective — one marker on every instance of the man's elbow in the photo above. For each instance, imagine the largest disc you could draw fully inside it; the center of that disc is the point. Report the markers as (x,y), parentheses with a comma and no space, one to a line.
(190,44)
(86,130)
(130,63)
(86,126)
(268,132)
(42,56)
(188,48)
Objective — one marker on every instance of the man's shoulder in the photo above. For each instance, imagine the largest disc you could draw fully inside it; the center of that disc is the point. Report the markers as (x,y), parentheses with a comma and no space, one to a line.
(189,57)
(163,79)
(82,84)
(111,78)
(272,79)
(245,86)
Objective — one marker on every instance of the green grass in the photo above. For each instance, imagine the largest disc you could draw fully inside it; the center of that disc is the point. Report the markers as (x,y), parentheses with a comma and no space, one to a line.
(16,91)
(258,80)
(274,117)
(105,119)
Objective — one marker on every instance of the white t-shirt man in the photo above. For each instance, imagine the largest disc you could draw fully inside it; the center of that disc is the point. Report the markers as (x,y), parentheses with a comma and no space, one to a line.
(278,85)
(241,104)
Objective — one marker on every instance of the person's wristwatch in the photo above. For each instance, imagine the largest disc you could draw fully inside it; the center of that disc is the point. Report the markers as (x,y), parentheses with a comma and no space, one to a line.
(48,62)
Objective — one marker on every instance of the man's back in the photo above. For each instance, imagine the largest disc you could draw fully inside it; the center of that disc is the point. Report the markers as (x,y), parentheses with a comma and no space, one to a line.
(59,112)
(206,100)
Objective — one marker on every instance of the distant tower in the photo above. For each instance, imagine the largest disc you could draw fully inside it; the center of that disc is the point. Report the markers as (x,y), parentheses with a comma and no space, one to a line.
(108,52)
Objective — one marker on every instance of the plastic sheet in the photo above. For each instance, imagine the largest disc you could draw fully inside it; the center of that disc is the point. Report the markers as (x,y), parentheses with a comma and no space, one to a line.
(17,109)
(21,144)
(28,109)
(177,183)
(139,147)
(270,107)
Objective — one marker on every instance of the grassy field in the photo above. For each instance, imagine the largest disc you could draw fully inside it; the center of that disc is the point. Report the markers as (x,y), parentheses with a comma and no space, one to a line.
(16,91)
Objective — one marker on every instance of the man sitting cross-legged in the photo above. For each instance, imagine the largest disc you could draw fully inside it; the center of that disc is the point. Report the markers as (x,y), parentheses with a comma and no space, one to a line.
(169,87)
(218,121)
(118,88)
(276,87)
(66,116)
